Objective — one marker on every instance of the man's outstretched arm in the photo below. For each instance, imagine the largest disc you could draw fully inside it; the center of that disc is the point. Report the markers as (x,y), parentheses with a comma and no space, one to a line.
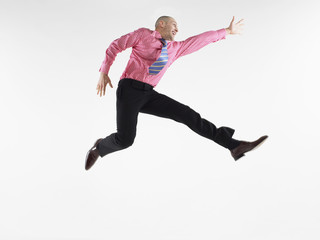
(197,42)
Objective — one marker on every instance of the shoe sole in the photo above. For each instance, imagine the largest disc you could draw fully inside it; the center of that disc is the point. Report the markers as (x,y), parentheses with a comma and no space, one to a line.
(239,156)
(259,144)
(256,147)
(94,146)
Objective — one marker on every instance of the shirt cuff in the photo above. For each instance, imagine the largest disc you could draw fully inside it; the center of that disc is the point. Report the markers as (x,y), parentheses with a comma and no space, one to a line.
(104,68)
(222,33)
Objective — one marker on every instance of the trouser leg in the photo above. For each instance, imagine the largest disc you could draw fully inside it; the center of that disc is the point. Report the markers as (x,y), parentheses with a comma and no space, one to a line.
(129,101)
(163,106)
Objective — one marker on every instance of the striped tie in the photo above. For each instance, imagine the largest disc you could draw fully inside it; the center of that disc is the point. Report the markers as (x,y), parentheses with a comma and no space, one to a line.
(157,66)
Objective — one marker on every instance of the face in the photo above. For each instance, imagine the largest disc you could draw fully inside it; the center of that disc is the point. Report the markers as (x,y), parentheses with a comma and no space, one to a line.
(170,30)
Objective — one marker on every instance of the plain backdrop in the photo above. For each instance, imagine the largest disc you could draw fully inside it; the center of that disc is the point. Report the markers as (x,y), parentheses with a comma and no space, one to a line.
(171,184)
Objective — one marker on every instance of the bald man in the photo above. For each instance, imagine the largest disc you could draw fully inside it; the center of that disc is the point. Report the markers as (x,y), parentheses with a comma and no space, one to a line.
(152,53)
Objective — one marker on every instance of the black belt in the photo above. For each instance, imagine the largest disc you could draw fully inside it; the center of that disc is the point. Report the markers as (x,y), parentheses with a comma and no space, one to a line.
(138,84)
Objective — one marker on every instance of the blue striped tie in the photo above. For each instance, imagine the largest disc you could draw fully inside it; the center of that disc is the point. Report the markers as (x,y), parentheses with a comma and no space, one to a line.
(157,66)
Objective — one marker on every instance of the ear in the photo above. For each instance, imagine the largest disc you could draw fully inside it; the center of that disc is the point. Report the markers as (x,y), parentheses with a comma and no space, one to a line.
(162,23)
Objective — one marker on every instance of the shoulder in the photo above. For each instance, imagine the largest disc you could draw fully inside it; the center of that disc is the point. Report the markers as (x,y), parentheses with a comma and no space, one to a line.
(175,44)
(143,30)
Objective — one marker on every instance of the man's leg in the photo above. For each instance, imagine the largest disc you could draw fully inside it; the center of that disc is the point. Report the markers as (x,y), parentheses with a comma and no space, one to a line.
(163,106)
(129,102)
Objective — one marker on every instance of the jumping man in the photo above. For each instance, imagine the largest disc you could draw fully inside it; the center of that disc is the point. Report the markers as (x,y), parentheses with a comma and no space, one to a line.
(152,54)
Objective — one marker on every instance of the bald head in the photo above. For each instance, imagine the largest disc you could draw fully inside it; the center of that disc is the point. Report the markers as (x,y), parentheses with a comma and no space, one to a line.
(162,18)
(167,27)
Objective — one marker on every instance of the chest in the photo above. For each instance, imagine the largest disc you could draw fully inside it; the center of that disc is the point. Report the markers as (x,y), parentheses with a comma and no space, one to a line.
(149,48)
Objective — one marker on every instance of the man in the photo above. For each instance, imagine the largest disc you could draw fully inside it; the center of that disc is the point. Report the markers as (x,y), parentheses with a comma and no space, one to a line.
(152,53)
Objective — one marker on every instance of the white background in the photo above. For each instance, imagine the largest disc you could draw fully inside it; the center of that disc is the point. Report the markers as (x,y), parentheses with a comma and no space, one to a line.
(172,183)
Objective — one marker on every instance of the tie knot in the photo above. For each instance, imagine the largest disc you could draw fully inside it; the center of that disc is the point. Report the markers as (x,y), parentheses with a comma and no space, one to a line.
(164,42)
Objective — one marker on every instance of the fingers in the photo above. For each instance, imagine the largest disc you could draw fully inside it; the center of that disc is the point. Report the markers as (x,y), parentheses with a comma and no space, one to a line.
(101,88)
(240,21)
(102,85)
(104,90)
(98,88)
(238,26)
(237,22)
(105,86)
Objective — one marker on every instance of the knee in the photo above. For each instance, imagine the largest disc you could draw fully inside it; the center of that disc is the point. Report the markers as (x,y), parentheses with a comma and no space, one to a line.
(126,141)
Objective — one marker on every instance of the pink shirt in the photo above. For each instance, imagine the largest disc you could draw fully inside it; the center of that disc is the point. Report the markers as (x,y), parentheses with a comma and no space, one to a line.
(146,49)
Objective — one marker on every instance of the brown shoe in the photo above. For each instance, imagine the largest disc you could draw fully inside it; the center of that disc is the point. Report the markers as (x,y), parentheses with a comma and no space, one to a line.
(244,147)
(92,155)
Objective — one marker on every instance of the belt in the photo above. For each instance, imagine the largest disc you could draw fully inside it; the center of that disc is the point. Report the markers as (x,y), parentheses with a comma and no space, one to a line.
(138,84)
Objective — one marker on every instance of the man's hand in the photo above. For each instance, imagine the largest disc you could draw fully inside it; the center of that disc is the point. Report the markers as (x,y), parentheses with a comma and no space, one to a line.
(102,84)
(235,28)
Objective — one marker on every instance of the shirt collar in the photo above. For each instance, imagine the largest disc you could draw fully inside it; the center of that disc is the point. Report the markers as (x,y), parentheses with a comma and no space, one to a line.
(156,34)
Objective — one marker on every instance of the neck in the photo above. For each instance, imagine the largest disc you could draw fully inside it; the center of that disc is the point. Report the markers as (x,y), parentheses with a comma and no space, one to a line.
(159,31)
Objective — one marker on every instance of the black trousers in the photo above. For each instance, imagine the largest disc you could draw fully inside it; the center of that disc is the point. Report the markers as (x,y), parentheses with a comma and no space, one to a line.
(134,96)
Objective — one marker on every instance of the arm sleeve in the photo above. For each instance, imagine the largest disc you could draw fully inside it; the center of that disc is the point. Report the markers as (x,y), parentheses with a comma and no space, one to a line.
(197,42)
(117,46)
